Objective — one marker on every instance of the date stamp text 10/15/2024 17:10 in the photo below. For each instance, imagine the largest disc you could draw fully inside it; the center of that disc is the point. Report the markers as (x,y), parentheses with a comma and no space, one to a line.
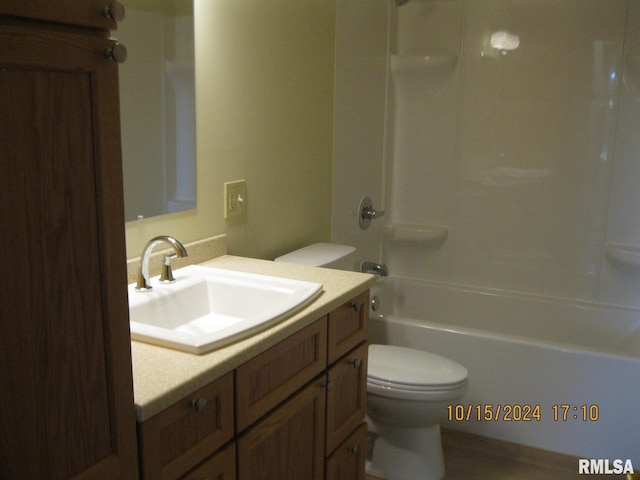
(561,412)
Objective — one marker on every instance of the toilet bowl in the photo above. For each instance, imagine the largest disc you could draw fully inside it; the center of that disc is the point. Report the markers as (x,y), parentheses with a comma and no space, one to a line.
(408,391)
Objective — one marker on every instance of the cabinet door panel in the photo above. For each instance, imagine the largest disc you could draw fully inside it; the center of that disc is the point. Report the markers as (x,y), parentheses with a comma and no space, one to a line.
(288,443)
(348,461)
(65,366)
(346,399)
(271,377)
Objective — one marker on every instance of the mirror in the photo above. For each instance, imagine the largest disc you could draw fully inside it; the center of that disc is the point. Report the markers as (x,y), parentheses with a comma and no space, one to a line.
(157,107)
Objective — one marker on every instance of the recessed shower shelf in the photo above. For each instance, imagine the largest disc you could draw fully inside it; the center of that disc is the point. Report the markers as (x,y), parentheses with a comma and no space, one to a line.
(421,234)
(627,255)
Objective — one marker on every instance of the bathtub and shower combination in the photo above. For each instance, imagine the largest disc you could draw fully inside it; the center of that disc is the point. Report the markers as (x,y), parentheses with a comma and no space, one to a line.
(501,138)
(548,373)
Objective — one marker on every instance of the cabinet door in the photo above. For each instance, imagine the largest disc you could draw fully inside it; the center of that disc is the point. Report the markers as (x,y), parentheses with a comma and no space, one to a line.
(346,397)
(289,442)
(66,408)
(348,461)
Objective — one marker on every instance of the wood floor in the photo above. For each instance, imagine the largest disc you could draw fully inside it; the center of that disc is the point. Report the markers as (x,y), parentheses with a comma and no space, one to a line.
(471,457)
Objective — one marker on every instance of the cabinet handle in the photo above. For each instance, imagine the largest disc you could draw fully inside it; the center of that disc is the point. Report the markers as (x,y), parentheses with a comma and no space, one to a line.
(200,405)
(357,306)
(114,10)
(356,362)
(328,385)
(354,449)
(117,53)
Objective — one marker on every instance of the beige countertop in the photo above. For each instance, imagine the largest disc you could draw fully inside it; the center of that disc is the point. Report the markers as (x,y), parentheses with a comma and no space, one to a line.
(162,376)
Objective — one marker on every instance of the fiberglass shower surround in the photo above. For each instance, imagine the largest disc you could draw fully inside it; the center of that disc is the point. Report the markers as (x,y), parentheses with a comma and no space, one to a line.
(505,118)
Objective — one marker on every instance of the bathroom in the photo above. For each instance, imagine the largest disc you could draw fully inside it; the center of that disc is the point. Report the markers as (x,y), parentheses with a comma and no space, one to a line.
(307,167)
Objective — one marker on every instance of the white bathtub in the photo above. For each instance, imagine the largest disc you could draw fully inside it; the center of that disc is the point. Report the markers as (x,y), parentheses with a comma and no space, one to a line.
(527,354)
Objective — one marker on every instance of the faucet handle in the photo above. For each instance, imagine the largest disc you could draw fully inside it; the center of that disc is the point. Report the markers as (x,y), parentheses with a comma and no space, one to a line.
(367,213)
(167,273)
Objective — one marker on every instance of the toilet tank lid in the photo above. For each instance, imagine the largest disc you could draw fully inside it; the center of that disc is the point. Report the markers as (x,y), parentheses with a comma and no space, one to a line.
(409,366)
(317,255)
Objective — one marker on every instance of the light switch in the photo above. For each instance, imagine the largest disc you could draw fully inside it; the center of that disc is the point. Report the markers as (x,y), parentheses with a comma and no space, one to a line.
(235,198)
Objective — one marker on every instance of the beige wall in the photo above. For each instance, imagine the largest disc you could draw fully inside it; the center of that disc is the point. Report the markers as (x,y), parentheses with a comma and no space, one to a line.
(264,90)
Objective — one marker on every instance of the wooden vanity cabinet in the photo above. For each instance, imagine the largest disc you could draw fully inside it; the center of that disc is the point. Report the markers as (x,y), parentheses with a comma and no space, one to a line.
(66,407)
(299,414)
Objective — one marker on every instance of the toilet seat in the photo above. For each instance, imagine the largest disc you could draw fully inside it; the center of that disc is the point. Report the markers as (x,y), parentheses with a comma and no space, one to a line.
(408,373)
(416,388)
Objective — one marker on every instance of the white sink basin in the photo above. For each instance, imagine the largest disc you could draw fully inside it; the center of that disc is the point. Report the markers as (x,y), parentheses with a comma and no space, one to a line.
(207,308)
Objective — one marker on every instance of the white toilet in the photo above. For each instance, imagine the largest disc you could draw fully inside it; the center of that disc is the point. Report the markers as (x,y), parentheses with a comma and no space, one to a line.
(408,391)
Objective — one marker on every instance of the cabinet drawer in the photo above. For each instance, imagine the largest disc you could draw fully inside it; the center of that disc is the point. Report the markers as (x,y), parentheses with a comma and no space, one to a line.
(348,461)
(86,13)
(346,397)
(186,433)
(268,379)
(222,466)
(348,326)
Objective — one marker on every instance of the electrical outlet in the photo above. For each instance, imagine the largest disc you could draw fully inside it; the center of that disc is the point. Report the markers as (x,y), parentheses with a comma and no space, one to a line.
(235,198)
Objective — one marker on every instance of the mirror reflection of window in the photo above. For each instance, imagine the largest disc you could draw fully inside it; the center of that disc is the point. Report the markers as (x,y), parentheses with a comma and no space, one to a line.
(157,108)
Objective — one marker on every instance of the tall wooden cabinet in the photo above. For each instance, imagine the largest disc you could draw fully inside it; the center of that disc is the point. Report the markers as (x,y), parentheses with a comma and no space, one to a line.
(66,401)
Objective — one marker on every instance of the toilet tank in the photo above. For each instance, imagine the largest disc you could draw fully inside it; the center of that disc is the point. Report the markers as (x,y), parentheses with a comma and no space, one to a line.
(328,255)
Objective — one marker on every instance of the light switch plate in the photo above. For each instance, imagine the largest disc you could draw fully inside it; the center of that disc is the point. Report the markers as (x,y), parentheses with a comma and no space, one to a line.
(235,198)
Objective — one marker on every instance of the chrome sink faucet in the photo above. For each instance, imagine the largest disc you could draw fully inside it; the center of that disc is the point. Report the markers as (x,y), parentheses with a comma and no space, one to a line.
(142,285)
